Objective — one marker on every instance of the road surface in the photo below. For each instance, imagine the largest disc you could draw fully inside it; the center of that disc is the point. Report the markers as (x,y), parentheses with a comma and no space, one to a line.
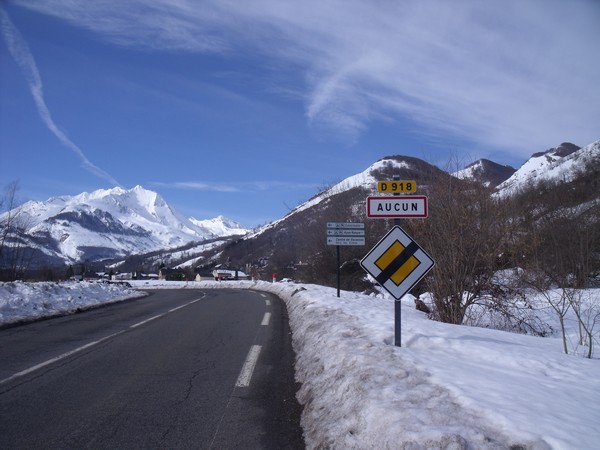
(177,369)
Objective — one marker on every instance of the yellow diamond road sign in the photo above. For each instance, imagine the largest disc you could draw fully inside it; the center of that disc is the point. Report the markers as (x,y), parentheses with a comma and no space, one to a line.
(397,262)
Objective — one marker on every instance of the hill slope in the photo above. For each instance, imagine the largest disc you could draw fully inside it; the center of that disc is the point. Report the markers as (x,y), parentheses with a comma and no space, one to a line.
(561,163)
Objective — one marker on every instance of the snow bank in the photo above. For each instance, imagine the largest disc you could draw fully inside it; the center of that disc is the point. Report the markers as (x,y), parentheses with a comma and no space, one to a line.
(29,301)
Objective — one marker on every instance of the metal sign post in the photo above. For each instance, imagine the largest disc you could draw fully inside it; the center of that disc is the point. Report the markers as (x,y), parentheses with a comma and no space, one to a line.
(397,303)
(397,262)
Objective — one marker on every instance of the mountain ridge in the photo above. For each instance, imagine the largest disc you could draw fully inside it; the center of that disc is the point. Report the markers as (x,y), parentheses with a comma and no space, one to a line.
(560,162)
(113,224)
(486,172)
(285,245)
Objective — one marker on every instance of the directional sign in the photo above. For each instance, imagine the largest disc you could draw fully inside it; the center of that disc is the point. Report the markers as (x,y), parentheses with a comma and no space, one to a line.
(345,240)
(345,232)
(414,206)
(345,225)
(397,262)
(397,186)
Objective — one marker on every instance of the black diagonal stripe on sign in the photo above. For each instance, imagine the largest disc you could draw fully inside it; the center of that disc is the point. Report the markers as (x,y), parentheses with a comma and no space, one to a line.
(391,269)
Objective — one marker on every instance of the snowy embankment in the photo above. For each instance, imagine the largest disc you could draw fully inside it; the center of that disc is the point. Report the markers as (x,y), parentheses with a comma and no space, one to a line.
(451,387)
(21,302)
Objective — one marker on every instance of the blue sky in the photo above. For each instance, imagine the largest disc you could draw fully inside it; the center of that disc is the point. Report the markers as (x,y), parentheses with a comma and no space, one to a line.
(246,109)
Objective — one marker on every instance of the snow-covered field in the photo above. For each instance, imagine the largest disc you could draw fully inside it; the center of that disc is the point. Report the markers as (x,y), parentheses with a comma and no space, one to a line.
(448,387)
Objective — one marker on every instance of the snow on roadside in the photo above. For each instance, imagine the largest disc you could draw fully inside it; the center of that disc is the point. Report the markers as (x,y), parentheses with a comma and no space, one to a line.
(29,301)
(450,387)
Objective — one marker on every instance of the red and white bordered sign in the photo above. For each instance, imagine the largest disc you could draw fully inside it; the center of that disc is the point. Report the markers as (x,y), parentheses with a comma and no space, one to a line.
(407,206)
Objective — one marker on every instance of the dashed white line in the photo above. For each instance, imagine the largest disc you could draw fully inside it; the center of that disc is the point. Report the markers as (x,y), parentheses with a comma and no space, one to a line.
(135,325)
(266,319)
(88,345)
(268,302)
(248,368)
(59,357)
(183,306)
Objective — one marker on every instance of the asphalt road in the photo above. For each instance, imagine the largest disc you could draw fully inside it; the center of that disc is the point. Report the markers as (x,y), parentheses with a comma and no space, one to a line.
(171,370)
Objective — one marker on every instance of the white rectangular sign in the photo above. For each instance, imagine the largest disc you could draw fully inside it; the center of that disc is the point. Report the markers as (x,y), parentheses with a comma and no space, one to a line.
(408,206)
(345,225)
(345,240)
(345,232)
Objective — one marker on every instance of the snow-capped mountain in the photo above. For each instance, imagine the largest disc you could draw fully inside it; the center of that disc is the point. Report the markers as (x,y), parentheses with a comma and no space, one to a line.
(405,167)
(219,226)
(110,223)
(562,162)
(486,172)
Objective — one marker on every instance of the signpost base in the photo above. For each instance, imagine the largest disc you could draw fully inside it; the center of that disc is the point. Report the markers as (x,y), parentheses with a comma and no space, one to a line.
(337,248)
(397,324)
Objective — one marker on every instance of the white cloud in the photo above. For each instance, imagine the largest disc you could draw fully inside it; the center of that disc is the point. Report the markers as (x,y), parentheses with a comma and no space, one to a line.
(198,186)
(20,51)
(514,75)
(232,187)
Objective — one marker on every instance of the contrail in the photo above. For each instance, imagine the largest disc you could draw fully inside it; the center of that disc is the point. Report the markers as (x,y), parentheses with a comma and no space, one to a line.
(24,59)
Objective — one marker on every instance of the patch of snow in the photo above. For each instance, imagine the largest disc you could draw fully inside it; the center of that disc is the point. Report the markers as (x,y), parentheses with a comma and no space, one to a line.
(219,226)
(21,301)
(469,172)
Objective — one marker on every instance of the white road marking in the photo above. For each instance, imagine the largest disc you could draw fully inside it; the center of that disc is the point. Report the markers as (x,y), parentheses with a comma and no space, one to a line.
(187,304)
(268,302)
(266,319)
(248,368)
(88,345)
(135,325)
(59,357)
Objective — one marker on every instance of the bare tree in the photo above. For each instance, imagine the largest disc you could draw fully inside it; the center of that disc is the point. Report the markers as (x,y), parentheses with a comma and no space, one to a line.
(587,312)
(10,214)
(15,255)
(562,255)
(557,299)
(464,233)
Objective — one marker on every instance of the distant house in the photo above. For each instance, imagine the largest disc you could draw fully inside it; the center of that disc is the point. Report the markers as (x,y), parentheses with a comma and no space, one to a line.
(122,276)
(229,274)
(171,274)
(203,273)
(91,276)
(148,276)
